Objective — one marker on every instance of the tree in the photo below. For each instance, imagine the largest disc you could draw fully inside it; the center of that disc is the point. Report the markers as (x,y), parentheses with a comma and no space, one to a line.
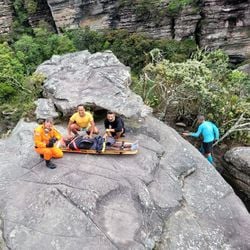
(11,73)
(28,52)
(32,51)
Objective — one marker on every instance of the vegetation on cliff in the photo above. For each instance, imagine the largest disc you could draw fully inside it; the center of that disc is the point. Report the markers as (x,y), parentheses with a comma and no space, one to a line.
(155,10)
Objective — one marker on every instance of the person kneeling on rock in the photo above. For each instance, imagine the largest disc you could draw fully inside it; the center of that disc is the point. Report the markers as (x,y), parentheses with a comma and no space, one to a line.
(114,125)
(45,136)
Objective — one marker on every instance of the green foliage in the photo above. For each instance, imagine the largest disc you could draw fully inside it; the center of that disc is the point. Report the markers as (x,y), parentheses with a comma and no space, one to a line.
(11,73)
(60,44)
(87,39)
(31,6)
(131,49)
(34,84)
(28,52)
(17,91)
(6,92)
(155,10)
(175,7)
(20,24)
(33,50)
(205,86)
(146,9)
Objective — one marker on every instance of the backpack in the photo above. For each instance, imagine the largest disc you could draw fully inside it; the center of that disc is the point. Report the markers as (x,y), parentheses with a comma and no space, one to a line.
(98,143)
(80,142)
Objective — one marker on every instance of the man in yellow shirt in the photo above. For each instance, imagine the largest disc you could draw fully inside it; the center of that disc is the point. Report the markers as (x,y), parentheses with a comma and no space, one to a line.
(82,120)
(45,136)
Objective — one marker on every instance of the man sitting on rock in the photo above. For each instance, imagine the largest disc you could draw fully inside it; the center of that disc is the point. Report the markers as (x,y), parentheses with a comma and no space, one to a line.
(45,136)
(209,132)
(114,125)
(81,121)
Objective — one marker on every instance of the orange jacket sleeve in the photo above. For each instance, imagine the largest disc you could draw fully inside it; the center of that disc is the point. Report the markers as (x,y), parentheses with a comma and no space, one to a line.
(57,134)
(38,138)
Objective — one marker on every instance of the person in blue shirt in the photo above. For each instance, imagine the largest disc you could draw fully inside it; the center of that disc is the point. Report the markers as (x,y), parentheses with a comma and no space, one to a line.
(209,132)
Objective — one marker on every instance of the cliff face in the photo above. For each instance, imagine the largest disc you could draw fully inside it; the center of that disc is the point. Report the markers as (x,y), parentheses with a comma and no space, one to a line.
(226,24)
(5,16)
(213,23)
(43,13)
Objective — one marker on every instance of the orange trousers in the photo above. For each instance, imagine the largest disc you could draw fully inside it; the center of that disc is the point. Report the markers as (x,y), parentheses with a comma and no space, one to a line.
(49,153)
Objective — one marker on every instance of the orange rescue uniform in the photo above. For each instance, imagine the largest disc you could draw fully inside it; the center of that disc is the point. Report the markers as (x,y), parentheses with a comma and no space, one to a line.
(41,138)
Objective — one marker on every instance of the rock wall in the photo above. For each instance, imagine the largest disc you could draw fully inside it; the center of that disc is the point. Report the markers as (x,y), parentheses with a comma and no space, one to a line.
(226,24)
(166,197)
(42,13)
(98,80)
(5,16)
(238,168)
(214,23)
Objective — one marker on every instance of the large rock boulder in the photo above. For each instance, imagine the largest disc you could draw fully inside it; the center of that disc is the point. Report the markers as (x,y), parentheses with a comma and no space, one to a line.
(238,167)
(245,68)
(45,108)
(167,196)
(99,80)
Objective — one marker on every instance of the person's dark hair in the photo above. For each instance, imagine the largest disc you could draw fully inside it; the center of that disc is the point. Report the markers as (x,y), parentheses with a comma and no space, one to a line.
(110,112)
(80,105)
(201,117)
(49,119)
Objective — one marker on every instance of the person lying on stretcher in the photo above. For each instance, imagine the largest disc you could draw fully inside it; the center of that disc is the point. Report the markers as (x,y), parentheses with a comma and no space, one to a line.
(97,143)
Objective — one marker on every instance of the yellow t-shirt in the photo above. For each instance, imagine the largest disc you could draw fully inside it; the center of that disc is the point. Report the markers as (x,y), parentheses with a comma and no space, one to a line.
(83,122)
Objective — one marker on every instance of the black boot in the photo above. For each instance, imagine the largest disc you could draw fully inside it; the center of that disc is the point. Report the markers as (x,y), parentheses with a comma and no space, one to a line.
(50,164)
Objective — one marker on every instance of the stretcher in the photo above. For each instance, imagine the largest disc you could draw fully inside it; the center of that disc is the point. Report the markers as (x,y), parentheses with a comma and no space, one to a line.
(104,151)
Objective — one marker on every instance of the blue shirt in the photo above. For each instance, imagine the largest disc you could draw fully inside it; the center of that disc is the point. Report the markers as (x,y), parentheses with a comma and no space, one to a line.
(208,130)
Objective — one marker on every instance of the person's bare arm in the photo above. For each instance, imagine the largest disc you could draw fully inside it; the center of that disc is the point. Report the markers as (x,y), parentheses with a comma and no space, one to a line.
(92,127)
(69,124)
(110,130)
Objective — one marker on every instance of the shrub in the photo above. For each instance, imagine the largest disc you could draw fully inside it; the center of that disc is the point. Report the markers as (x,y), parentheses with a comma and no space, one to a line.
(11,73)
(33,50)
(174,7)
(205,86)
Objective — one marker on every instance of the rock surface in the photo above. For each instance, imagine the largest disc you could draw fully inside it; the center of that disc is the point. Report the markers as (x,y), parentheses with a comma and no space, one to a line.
(239,167)
(213,23)
(99,80)
(225,24)
(245,68)
(168,196)
(45,108)
(5,16)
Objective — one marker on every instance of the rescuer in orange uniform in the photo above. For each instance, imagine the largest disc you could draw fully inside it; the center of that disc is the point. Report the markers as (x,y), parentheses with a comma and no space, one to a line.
(45,136)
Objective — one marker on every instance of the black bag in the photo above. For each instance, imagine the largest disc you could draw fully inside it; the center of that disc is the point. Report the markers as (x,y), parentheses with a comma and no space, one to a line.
(81,143)
(98,143)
